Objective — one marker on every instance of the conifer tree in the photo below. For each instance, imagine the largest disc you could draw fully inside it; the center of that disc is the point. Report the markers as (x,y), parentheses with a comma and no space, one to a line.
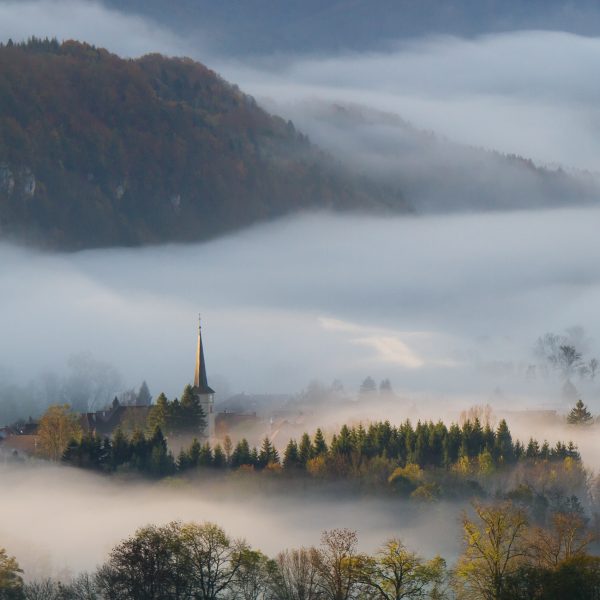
(120,450)
(183,461)
(205,458)
(241,454)
(290,456)
(190,415)
(143,397)
(159,414)
(194,453)
(219,460)
(504,448)
(268,454)
(305,449)
(580,415)
(319,444)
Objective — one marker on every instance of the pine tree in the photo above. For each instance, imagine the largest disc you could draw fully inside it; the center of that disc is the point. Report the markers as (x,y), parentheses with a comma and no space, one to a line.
(205,458)
(183,461)
(290,457)
(319,444)
(268,454)
(580,415)
(504,448)
(191,417)
(121,449)
(194,453)
(159,414)
(143,398)
(241,454)
(219,461)
(305,450)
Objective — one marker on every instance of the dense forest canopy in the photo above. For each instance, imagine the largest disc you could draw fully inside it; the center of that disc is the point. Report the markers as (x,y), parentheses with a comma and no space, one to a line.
(96,151)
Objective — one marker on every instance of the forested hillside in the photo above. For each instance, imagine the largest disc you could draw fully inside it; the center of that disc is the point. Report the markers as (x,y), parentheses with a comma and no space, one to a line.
(96,150)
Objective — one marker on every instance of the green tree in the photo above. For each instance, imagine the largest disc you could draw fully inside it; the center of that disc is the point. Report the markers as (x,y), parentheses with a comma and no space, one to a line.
(494,550)
(291,460)
(254,576)
(213,559)
(147,566)
(579,414)
(268,454)
(368,386)
(395,573)
(159,414)
(319,444)
(205,456)
(305,450)
(504,448)
(219,460)
(191,417)
(11,583)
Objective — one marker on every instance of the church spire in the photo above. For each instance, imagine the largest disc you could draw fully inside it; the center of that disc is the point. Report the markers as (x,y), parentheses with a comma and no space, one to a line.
(200,379)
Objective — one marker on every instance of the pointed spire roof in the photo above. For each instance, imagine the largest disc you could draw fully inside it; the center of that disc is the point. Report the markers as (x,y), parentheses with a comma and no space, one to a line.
(200,381)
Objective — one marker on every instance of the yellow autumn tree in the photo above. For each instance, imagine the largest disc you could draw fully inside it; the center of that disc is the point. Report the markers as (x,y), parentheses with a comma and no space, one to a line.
(57,428)
(495,547)
(11,583)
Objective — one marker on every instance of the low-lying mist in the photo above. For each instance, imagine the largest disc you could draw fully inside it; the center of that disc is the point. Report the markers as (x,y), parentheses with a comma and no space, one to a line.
(60,521)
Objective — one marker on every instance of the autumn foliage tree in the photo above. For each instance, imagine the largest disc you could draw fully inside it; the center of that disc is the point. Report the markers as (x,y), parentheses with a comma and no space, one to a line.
(58,426)
(11,582)
(494,549)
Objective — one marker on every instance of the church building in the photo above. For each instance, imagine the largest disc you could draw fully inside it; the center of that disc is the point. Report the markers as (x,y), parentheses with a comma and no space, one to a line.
(204,393)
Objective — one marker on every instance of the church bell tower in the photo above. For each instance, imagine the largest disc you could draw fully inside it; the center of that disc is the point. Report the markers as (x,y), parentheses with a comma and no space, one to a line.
(204,393)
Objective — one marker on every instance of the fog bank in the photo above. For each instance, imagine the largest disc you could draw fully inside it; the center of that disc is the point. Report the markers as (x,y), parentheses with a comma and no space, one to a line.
(442,306)
(60,520)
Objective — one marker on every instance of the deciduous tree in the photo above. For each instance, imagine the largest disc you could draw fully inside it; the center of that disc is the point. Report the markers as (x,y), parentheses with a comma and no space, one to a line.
(58,426)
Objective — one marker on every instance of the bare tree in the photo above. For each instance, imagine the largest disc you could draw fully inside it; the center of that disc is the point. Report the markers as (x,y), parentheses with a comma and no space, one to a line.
(337,564)
(567,537)
(297,575)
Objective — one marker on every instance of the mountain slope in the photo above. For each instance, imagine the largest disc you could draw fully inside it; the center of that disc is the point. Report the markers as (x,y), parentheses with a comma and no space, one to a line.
(96,150)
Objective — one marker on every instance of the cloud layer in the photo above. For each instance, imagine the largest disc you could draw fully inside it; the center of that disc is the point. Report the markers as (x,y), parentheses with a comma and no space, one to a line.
(423,301)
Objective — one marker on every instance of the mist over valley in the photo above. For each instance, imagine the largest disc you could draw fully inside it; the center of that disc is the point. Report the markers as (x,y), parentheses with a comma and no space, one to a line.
(299,301)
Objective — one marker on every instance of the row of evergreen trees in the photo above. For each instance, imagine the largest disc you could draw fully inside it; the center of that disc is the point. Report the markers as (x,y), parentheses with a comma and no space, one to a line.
(178,416)
(428,445)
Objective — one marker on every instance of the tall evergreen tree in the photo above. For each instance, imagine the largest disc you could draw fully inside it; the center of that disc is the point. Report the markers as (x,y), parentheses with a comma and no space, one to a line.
(580,415)
(159,414)
(290,457)
(319,444)
(191,417)
(305,449)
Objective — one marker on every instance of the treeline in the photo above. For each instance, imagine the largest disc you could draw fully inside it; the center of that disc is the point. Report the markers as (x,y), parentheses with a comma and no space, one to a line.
(392,452)
(506,556)
(178,416)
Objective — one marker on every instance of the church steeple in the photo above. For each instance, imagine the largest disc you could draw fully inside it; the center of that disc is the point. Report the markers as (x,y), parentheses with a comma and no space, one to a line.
(200,381)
